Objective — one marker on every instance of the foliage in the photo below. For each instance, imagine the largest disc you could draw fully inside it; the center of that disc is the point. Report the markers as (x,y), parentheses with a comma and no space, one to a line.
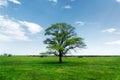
(73,68)
(62,39)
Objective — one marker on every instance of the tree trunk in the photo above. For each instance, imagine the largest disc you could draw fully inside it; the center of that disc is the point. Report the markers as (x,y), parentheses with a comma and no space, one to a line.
(60,57)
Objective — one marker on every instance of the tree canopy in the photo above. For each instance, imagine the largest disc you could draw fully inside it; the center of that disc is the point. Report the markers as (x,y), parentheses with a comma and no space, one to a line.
(62,38)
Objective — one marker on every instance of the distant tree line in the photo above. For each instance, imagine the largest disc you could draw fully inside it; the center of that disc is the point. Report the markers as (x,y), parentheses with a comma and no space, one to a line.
(6,54)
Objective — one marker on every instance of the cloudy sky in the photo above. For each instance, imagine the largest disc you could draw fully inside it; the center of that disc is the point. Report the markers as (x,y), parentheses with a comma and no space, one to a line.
(22,24)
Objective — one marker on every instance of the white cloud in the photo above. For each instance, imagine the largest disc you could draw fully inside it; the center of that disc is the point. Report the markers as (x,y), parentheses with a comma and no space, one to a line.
(110,30)
(4,38)
(80,23)
(53,1)
(32,27)
(118,1)
(11,29)
(113,42)
(15,1)
(67,7)
(5,2)
(118,33)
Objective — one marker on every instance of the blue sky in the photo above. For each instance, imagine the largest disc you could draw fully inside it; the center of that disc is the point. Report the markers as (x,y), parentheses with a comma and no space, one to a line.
(22,24)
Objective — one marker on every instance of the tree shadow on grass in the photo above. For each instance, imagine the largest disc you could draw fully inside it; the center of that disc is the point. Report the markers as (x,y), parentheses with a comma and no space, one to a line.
(53,62)
(67,63)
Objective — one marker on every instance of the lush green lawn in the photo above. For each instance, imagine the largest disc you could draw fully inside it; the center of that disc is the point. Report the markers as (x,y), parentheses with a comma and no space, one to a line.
(47,68)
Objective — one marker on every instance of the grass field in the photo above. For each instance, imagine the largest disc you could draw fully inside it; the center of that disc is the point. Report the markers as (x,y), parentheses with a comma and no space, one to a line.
(48,68)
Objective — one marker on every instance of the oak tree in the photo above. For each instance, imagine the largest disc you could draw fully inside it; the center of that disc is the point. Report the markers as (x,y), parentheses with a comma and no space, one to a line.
(62,38)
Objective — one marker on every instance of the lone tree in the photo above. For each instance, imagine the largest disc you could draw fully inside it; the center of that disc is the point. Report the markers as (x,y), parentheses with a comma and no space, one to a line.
(62,38)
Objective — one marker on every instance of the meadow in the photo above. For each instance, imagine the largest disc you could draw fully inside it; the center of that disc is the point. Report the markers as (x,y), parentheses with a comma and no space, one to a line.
(48,68)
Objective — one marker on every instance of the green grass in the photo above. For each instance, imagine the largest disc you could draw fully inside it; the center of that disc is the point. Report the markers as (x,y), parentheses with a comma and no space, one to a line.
(48,68)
